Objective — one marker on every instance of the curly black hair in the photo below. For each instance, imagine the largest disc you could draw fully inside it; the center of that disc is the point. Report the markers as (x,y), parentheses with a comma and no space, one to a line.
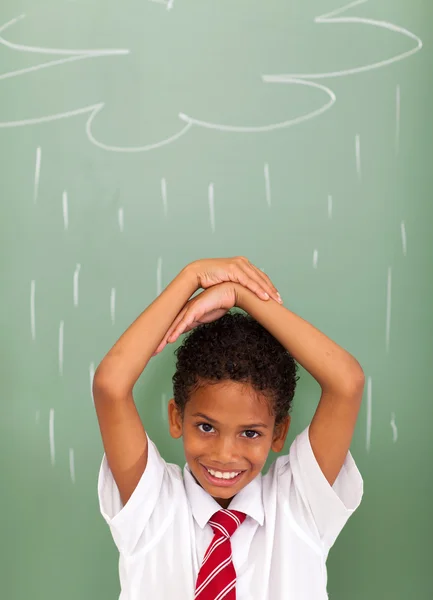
(237,348)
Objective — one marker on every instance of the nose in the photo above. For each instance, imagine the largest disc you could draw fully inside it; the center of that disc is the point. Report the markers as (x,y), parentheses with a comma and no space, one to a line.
(225,452)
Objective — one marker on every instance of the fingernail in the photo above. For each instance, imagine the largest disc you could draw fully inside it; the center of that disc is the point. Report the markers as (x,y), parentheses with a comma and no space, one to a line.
(266,296)
(279,298)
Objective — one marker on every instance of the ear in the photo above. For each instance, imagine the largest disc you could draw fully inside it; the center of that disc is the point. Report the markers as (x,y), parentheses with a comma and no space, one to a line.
(174,420)
(280,435)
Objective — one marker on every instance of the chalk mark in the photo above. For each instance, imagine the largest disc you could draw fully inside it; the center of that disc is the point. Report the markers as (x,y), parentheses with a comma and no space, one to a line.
(394,428)
(61,51)
(75,283)
(297,79)
(72,464)
(403,238)
(330,18)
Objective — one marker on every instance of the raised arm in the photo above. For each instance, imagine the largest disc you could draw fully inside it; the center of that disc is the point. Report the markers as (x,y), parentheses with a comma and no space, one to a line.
(122,431)
(338,373)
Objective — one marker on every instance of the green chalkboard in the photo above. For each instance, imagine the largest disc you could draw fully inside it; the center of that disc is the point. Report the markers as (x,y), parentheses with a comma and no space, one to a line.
(137,136)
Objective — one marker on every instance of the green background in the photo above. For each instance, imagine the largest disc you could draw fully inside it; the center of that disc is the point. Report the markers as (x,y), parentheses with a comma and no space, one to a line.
(374,261)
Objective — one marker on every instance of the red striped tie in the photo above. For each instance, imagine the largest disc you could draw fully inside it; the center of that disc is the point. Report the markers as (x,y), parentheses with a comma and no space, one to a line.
(217,576)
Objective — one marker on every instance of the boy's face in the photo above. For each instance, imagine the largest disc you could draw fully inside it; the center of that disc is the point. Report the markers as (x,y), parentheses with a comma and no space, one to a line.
(235,435)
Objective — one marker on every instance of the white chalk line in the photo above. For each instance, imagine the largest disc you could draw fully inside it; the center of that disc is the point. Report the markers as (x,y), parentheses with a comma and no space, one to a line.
(72,464)
(75,283)
(271,127)
(211,206)
(61,51)
(328,18)
(295,79)
(121,219)
(369,410)
(394,428)
(403,237)
(315,258)
(358,154)
(37,174)
(164,195)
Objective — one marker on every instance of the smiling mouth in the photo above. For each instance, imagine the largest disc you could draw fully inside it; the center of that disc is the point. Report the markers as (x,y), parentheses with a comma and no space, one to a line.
(222,481)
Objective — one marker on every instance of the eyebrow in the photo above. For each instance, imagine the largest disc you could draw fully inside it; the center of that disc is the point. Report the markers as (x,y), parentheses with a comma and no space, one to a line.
(249,426)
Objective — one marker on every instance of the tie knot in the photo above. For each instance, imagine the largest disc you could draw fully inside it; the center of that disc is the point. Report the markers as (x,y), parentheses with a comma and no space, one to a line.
(226,521)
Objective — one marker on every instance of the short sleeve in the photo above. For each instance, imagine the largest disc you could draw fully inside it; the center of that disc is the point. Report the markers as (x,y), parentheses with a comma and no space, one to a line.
(327,508)
(128,521)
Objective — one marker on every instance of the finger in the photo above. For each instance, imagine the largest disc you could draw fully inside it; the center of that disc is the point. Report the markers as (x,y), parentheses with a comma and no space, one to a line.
(274,292)
(252,278)
(170,330)
(185,323)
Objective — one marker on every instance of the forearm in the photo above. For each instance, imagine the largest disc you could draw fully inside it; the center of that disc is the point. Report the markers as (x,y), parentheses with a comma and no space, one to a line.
(124,363)
(332,367)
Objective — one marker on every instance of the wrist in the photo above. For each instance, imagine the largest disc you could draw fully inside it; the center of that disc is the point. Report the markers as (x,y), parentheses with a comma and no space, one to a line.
(189,274)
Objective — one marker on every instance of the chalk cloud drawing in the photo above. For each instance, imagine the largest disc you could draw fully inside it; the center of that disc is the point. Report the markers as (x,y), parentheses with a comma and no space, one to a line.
(197,84)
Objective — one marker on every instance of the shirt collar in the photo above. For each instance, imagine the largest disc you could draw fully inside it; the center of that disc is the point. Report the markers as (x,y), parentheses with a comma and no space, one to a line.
(248,500)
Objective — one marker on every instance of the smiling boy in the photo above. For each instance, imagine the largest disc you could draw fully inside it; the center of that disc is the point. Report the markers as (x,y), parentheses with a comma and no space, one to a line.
(223,530)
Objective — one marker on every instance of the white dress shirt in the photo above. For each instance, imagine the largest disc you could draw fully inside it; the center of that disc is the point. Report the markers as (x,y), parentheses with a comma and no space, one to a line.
(279,552)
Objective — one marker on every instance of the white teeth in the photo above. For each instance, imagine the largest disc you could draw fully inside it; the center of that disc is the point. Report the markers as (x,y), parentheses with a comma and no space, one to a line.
(223,475)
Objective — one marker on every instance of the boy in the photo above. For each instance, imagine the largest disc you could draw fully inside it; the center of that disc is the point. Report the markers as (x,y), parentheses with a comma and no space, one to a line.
(224,531)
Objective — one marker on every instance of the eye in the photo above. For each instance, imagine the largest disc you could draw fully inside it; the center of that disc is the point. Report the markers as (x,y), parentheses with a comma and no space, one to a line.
(204,425)
(257,434)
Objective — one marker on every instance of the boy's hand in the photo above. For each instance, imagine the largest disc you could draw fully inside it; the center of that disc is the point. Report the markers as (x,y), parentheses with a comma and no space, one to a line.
(208,306)
(238,269)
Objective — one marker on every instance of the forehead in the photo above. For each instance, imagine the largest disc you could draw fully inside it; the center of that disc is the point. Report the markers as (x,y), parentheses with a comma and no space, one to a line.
(229,400)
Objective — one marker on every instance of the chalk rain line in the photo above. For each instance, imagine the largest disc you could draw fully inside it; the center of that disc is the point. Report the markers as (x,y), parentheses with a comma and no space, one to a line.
(75,283)
(121,219)
(358,155)
(65,210)
(403,238)
(159,276)
(394,428)
(164,195)
(72,464)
